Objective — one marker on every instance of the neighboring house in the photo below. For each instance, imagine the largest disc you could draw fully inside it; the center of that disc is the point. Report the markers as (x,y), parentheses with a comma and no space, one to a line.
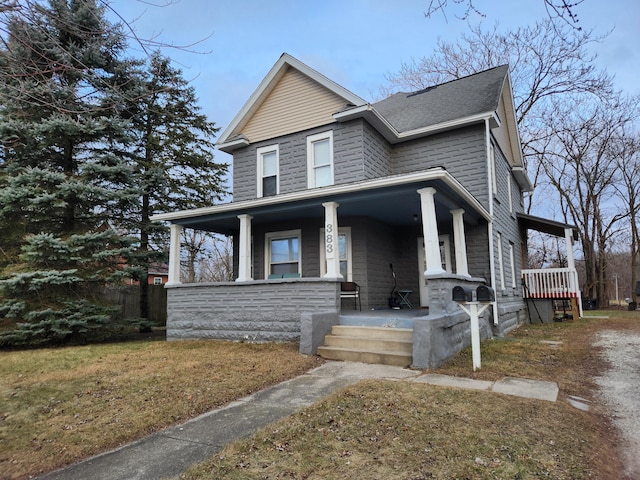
(329,188)
(158,274)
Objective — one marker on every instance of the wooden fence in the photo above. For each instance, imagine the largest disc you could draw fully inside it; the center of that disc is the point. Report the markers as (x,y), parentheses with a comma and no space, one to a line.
(128,297)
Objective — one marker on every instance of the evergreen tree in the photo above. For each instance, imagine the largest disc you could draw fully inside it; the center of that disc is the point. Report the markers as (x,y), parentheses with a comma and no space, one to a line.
(172,158)
(61,183)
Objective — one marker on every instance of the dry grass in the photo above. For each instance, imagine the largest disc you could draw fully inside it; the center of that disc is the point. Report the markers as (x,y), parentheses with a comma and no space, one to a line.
(60,405)
(381,429)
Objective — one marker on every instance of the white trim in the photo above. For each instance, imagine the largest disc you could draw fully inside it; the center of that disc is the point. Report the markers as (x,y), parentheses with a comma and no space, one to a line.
(437,173)
(323,258)
(510,193)
(492,170)
(268,83)
(269,236)
(492,262)
(260,152)
(311,167)
(393,136)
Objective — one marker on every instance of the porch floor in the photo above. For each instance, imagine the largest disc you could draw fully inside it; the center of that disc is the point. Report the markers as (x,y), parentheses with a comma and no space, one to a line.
(388,317)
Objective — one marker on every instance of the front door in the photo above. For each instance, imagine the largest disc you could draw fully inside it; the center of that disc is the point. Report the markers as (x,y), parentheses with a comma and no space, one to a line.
(445,257)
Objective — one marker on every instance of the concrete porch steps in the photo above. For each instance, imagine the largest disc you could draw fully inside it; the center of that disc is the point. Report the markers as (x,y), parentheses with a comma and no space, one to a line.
(378,345)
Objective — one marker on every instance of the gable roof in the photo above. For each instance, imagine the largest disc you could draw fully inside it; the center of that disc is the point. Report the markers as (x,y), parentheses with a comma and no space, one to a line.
(462,98)
(232,136)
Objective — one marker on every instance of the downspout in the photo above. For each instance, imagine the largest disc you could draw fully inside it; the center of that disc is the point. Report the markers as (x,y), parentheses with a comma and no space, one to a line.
(492,262)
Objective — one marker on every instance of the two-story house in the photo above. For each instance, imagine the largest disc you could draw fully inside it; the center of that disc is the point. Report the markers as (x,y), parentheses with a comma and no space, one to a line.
(426,187)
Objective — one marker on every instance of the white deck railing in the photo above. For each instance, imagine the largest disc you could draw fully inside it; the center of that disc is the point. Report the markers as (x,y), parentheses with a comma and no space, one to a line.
(551,283)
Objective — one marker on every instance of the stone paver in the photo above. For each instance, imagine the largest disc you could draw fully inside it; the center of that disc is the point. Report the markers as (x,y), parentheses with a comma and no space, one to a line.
(456,382)
(523,387)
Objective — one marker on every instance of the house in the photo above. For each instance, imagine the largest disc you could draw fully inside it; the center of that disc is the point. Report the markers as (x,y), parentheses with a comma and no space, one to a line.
(424,189)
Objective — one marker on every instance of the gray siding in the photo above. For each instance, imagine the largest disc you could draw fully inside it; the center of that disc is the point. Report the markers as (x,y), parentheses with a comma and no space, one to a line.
(462,152)
(348,153)
(510,302)
(258,311)
(348,160)
(377,154)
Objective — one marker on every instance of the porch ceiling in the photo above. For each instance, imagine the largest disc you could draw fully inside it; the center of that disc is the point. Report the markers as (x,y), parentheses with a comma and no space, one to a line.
(395,205)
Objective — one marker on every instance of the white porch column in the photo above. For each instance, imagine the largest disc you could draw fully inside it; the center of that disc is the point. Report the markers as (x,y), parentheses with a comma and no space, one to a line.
(460,242)
(568,235)
(430,231)
(174,254)
(244,254)
(331,247)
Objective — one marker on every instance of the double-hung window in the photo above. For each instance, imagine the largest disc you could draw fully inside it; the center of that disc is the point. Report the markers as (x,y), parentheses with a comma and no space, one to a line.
(282,253)
(268,168)
(320,159)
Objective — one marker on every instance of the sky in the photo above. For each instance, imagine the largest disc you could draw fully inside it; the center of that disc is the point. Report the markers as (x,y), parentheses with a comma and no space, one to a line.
(355,43)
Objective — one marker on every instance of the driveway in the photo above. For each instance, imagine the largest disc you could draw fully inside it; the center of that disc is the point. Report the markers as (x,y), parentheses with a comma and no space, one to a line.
(620,390)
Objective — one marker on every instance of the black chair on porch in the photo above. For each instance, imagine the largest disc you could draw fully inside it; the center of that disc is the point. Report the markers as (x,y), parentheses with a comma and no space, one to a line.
(351,290)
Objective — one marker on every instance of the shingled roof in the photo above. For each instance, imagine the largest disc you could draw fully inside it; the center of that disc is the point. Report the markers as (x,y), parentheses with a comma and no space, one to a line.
(461,98)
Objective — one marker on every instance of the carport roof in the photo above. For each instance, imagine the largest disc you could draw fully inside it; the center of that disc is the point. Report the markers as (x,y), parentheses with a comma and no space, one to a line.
(544,225)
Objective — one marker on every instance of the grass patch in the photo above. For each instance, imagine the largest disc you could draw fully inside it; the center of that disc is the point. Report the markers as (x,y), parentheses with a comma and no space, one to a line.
(384,429)
(399,430)
(58,406)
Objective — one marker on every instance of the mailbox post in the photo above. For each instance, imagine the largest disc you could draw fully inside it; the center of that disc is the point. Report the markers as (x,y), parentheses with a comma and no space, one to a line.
(464,297)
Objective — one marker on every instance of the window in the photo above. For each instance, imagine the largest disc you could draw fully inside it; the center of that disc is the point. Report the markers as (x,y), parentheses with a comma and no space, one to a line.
(157,280)
(501,261)
(513,266)
(282,253)
(320,160)
(268,167)
(344,250)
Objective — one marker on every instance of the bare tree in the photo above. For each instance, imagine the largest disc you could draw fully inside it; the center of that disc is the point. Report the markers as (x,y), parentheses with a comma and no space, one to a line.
(557,10)
(207,257)
(581,166)
(544,66)
(626,151)
(13,44)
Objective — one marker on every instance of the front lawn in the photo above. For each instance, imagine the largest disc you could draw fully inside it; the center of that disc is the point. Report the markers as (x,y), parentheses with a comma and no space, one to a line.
(58,406)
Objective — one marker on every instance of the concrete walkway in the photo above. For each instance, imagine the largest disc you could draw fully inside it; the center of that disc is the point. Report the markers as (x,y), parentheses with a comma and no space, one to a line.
(172,451)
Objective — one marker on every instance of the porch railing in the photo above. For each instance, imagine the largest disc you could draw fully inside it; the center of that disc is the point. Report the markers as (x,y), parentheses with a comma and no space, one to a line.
(550,283)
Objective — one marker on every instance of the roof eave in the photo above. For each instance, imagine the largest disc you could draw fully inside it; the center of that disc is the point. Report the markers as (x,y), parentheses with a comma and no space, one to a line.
(380,123)
(521,176)
(437,173)
(232,145)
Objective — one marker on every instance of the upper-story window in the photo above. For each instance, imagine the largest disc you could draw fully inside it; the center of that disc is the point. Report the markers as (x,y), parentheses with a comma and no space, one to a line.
(320,159)
(268,171)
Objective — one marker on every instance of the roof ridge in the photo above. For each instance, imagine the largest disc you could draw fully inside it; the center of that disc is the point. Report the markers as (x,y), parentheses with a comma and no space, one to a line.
(431,87)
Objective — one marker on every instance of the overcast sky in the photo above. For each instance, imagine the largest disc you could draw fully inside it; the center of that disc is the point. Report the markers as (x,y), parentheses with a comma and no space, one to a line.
(353,42)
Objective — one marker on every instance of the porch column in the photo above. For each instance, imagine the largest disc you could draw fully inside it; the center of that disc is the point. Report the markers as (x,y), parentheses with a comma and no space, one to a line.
(331,247)
(244,259)
(430,231)
(568,235)
(460,242)
(174,254)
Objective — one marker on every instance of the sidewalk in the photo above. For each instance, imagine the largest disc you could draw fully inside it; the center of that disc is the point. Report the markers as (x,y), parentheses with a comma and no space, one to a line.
(172,451)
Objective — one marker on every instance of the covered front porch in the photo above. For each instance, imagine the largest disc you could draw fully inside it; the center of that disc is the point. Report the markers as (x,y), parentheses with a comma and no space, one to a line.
(292,252)
(412,226)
